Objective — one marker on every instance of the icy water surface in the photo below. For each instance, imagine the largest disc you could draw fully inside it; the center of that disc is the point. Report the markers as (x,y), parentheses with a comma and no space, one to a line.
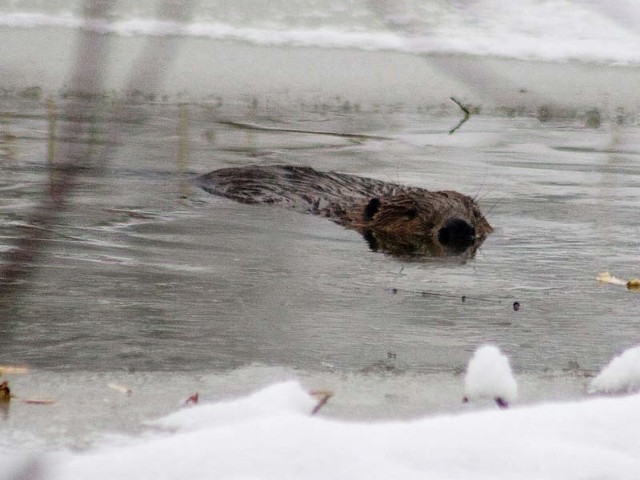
(152,283)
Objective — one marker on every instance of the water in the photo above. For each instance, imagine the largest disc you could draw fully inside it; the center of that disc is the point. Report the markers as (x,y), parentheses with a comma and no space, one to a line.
(153,281)
(153,284)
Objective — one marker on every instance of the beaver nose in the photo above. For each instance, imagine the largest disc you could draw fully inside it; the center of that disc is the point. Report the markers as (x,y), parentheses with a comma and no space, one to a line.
(457,234)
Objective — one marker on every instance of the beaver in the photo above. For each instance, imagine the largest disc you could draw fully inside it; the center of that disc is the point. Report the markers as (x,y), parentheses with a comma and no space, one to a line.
(399,220)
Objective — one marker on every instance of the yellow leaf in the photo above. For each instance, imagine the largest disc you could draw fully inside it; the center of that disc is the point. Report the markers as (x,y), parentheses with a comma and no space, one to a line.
(633,284)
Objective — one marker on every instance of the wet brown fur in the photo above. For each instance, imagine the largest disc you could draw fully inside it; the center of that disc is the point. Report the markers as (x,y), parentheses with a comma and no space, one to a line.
(399,220)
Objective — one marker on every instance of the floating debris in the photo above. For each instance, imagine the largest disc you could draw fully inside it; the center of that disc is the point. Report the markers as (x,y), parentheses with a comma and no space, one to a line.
(39,401)
(632,285)
(606,277)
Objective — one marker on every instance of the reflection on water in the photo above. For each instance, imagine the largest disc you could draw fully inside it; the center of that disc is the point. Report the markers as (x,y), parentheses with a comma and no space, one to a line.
(143,275)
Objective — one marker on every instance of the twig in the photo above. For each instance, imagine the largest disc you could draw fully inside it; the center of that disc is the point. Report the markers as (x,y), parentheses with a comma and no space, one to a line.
(323,397)
(466,112)
(39,401)
(250,126)
(193,399)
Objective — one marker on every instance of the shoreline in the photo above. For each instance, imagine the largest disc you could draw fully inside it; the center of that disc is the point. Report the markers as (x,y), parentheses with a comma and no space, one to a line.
(206,69)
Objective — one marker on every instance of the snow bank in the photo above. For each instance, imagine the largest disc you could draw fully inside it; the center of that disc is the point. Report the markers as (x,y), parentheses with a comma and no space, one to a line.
(621,375)
(489,376)
(271,435)
(280,399)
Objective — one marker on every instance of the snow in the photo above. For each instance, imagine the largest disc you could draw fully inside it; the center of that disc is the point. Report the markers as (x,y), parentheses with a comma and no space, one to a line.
(551,30)
(489,376)
(283,398)
(271,435)
(622,374)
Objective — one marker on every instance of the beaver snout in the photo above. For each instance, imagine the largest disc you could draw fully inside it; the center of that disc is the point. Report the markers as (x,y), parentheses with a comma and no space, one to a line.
(457,234)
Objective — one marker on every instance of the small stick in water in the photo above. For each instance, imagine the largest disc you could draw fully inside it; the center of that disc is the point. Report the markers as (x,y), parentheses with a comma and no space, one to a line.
(39,401)
(466,112)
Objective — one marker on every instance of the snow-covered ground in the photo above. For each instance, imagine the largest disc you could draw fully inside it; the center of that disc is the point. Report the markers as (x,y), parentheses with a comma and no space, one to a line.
(271,434)
(622,374)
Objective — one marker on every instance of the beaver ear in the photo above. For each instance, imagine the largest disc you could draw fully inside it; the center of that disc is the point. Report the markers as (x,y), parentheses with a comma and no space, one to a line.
(371,209)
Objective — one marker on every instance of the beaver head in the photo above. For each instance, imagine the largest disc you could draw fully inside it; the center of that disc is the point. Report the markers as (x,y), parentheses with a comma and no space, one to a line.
(424,224)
